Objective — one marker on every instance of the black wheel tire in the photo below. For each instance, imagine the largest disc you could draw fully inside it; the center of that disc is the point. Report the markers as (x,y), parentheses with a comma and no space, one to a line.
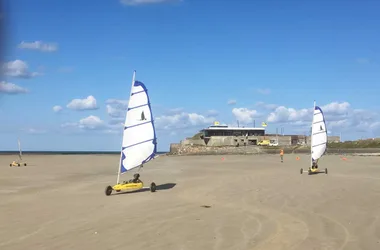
(108,190)
(19,164)
(325,170)
(24,164)
(301,171)
(153,187)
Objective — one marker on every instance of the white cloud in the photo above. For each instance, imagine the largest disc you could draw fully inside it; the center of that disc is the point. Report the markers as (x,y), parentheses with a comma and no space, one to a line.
(69,124)
(116,108)
(375,126)
(212,113)
(141,2)
(244,115)
(91,122)
(174,111)
(10,88)
(88,103)
(264,91)
(182,120)
(39,45)
(339,116)
(118,102)
(57,108)
(231,102)
(116,121)
(173,133)
(114,112)
(282,114)
(18,68)
(266,106)
(88,123)
(35,131)
(336,107)
(358,120)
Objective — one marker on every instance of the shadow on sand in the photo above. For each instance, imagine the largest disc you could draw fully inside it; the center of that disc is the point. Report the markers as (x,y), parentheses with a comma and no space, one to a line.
(316,173)
(165,186)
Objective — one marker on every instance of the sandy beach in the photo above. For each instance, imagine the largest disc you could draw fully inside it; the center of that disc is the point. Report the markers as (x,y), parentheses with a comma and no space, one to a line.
(202,202)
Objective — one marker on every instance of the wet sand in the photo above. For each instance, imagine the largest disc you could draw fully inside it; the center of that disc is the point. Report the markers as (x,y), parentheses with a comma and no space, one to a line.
(256,202)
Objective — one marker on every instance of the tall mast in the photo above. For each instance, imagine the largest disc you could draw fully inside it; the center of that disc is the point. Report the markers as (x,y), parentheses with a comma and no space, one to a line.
(121,151)
(311,137)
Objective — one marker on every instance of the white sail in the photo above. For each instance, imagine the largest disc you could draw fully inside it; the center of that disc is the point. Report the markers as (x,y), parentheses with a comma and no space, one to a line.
(139,137)
(318,134)
(19,148)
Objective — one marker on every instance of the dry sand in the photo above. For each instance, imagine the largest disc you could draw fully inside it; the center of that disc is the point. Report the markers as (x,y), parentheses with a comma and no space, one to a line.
(58,202)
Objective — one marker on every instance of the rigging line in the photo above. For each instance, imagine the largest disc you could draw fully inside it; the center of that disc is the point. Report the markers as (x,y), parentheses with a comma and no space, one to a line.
(140,167)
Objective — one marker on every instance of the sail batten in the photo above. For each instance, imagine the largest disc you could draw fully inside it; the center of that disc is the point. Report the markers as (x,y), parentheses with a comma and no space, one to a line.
(136,125)
(321,132)
(137,144)
(142,91)
(142,105)
(139,135)
(318,122)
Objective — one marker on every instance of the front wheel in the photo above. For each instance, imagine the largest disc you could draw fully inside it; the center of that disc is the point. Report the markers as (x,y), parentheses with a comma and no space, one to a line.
(301,171)
(325,170)
(108,190)
(24,164)
(18,165)
(153,187)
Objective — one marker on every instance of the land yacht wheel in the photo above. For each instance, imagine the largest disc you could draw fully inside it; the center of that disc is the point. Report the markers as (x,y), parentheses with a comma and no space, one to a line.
(108,190)
(153,187)
(301,171)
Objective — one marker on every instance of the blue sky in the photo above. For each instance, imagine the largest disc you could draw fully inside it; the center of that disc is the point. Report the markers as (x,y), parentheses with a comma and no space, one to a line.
(201,61)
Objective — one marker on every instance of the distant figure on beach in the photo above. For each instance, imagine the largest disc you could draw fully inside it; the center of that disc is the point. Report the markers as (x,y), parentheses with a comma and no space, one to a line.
(282,155)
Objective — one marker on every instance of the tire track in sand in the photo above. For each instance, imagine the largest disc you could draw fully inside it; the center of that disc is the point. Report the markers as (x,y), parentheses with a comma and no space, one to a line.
(278,229)
(289,232)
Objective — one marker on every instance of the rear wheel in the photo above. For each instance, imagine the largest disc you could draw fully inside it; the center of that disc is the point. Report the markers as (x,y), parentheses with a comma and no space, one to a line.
(301,171)
(10,165)
(325,170)
(108,190)
(24,164)
(153,187)
(19,164)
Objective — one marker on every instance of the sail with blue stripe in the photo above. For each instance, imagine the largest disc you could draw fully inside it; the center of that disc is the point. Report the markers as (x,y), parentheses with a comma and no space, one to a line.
(318,135)
(139,144)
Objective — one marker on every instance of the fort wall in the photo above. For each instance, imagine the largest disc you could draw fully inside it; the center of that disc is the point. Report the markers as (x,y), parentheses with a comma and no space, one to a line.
(178,149)
(236,141)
